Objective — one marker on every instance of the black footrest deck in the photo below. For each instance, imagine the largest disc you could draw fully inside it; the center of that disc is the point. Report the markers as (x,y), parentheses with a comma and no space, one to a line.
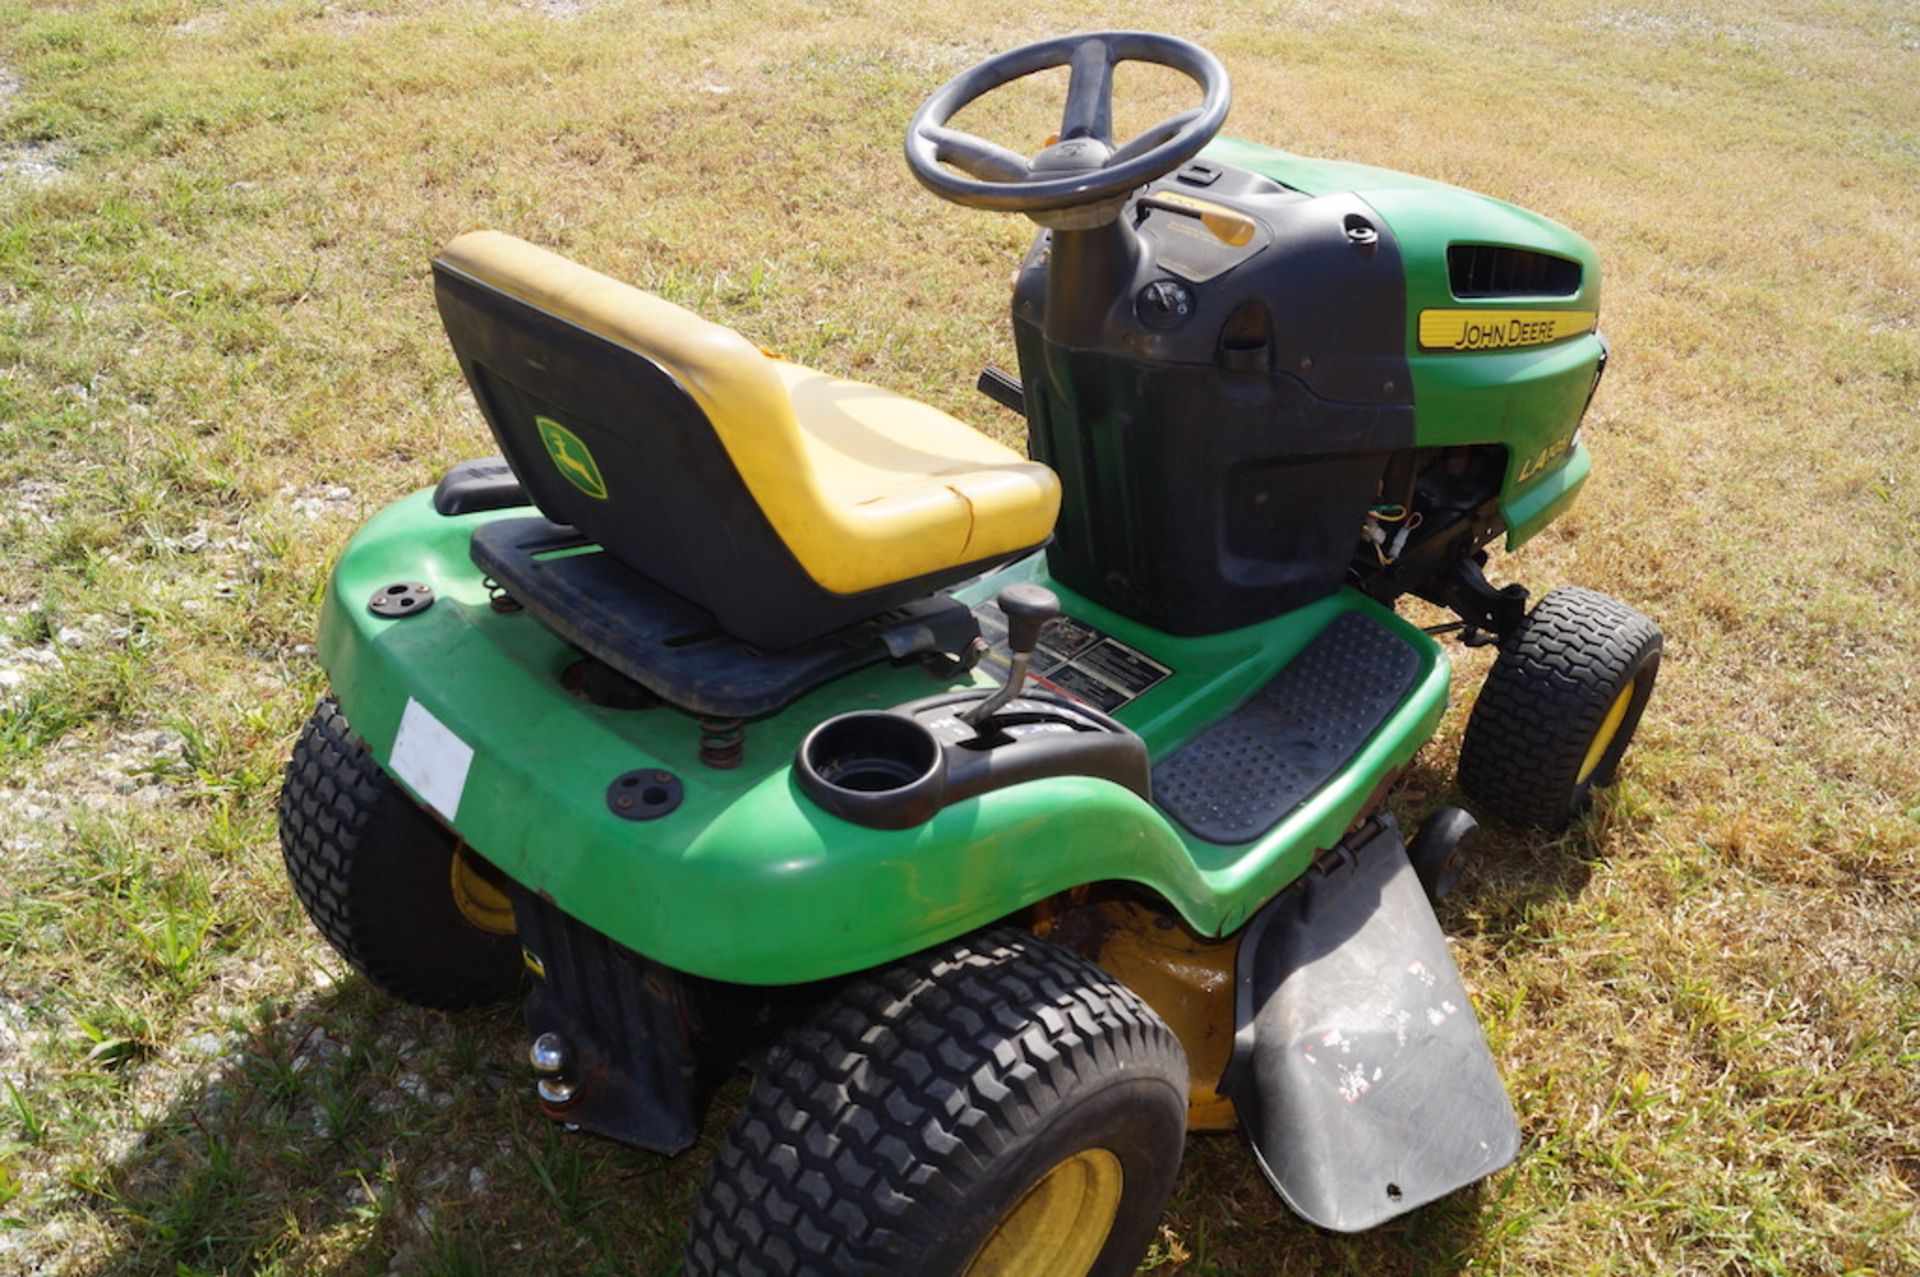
(676,650)
(1240,777)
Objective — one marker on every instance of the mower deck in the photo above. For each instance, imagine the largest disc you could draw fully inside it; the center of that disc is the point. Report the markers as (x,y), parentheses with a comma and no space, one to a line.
(742,878)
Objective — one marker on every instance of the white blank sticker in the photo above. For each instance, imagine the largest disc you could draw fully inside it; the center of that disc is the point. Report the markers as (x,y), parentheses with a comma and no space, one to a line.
(431,759)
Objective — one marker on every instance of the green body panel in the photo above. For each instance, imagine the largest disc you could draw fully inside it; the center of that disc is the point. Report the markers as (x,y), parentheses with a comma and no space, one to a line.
(1530,400)
(747,881)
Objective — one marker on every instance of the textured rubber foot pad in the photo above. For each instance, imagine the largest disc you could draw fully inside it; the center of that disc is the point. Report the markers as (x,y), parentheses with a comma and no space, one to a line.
(1236,780)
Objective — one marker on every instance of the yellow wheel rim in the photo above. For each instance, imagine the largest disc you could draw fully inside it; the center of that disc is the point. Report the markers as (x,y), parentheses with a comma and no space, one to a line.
(1059,1226)
(1609,728)
(478,894)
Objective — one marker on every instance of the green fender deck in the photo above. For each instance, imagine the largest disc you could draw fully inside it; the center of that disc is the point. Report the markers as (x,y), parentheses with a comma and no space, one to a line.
(747,881)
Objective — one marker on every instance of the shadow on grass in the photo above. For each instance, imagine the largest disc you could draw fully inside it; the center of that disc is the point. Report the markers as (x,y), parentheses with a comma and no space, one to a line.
(1230,1223)
(1510,873)
(349,1133)
(354,1134)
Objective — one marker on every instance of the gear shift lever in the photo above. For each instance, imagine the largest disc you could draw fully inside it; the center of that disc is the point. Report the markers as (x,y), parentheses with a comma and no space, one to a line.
(1028,607)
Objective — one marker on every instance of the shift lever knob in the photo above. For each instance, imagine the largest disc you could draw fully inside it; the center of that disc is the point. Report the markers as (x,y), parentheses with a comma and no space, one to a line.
(1028,607)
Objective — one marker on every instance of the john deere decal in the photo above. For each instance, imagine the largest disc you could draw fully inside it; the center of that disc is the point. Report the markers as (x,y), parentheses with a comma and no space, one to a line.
(1500,329)
(571,458)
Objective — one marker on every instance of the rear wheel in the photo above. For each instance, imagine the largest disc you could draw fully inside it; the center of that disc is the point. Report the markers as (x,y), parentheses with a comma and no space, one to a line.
(1559,708)
(392,890)
(994,1107)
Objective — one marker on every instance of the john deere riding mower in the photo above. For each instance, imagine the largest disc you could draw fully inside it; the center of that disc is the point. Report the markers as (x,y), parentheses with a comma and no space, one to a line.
(1007,817)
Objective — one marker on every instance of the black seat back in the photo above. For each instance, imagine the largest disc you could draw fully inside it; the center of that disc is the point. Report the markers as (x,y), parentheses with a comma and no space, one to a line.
(605,440)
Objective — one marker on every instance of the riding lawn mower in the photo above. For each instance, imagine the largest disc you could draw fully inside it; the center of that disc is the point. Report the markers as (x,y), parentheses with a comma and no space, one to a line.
(1007,817)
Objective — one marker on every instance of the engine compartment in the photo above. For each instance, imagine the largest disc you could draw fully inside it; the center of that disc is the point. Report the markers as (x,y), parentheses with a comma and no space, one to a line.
(1232,383)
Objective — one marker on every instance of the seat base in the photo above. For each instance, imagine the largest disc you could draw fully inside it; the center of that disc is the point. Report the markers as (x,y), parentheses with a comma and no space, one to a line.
(677,650)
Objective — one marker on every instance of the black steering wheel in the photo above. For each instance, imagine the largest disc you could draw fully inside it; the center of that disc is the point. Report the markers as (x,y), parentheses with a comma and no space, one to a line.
(1083,167)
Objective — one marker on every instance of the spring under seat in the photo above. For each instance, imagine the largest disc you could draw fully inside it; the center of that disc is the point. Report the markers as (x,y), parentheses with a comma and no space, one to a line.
(1242,776)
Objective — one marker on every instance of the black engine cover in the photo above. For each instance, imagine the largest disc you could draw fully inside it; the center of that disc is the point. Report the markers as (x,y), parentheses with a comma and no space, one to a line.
(1219,407)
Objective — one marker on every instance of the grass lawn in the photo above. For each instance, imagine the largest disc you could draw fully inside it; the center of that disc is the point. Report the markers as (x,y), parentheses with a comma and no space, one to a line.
(218,354)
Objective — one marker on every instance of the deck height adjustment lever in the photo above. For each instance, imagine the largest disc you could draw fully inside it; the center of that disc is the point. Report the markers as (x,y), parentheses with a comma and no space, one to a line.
(1028,607)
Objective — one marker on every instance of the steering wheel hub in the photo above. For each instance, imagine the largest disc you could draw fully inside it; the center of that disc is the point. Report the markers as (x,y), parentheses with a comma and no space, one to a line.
(1075,155)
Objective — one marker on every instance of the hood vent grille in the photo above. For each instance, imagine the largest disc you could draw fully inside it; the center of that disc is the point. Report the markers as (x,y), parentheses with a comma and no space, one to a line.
(1488,270)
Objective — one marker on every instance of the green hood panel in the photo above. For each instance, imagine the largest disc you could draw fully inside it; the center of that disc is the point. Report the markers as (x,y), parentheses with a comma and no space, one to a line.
(1528,400)
(747,880)
(1313,176)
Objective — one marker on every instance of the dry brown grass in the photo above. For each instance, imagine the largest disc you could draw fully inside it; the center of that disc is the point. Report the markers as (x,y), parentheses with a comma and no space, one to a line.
(216,317)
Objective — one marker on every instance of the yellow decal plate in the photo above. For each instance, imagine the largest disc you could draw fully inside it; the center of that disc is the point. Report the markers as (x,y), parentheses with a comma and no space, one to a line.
(571,458)
(1488,329)
(1230,226)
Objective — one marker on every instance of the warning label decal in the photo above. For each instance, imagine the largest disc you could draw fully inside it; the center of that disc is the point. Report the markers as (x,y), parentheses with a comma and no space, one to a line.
(1074,658)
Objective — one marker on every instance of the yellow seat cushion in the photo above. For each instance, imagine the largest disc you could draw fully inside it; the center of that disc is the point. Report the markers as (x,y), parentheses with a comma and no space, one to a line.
(865,487)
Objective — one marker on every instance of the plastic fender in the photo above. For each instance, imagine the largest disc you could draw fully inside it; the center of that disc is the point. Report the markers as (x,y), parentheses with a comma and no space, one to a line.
(746,880)
(790,889)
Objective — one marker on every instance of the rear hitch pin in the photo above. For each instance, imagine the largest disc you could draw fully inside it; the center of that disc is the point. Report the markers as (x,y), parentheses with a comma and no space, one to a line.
(552,1060)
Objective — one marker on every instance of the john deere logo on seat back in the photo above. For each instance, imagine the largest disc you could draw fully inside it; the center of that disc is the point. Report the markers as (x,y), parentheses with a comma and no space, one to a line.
(571,458)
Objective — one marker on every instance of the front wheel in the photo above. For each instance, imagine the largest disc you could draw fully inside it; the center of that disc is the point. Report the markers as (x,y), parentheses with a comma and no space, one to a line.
(1559,708)
(995,1107)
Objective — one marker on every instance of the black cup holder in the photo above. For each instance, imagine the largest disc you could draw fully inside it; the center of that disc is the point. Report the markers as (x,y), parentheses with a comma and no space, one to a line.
(874,768)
